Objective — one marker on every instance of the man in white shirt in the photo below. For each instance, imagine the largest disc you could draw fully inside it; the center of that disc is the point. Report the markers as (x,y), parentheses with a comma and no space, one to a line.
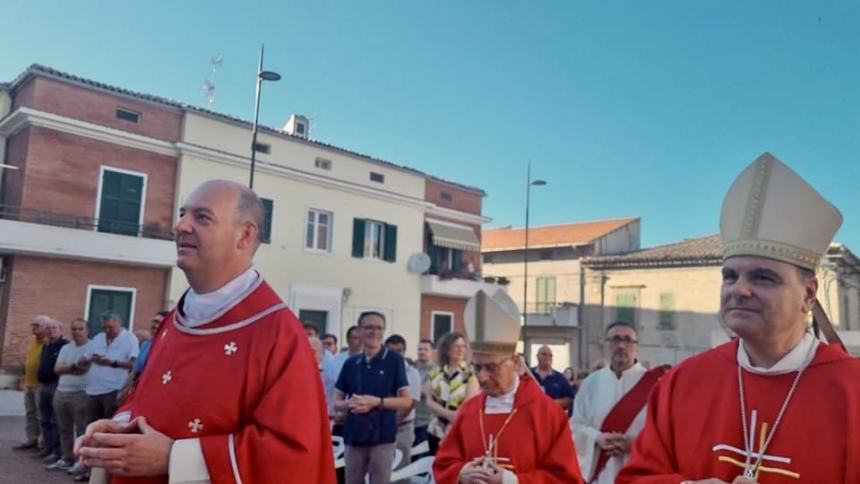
(109,358)
(70,399)
(329,342)
(331,370)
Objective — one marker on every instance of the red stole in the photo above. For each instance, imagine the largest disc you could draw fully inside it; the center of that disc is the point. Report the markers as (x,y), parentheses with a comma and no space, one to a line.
(625,410)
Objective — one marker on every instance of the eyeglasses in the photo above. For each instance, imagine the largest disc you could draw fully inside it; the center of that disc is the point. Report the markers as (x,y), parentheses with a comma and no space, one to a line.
(378,329)
(617,340)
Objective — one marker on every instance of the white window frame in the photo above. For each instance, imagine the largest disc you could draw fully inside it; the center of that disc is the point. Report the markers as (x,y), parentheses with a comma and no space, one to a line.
(329,235)
(132,290)
(433,321)
(102,170)
(368,223)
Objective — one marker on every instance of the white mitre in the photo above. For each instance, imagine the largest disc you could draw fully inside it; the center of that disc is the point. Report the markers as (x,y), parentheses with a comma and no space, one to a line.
(770,211)
(492,323)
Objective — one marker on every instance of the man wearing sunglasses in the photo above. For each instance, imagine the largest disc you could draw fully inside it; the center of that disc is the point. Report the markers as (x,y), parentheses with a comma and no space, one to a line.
(511,431)
(609,409)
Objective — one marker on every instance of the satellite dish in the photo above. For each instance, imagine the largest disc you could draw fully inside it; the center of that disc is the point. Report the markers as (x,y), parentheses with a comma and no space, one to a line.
(419,263)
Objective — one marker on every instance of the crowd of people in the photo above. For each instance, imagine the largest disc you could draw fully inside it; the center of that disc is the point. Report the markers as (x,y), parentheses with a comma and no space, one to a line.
(70,383)
(383,413)
(284,394)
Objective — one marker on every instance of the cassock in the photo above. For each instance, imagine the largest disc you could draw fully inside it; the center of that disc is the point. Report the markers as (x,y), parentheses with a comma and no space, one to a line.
(597,395)
(242,390)
(533,435)
(694,428)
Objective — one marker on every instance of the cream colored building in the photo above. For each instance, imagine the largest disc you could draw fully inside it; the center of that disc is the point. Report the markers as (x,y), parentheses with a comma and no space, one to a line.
(321,199)
(672,294)
(551,308)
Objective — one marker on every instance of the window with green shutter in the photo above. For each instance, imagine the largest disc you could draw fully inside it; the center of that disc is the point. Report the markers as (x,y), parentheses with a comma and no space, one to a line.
(544,294)
(456,260)
(390,243)
(120,202)
(358,237)
(374,240)
(443,323)
(625,307)
(269,207)
(667,311)
(102,300)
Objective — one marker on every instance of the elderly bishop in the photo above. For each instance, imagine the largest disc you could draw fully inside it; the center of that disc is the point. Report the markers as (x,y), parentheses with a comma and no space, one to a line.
(511,432)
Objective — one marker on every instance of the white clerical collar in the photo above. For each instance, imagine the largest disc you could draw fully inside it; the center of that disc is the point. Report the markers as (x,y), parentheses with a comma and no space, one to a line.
(503,403)
(798,357)
(198,309)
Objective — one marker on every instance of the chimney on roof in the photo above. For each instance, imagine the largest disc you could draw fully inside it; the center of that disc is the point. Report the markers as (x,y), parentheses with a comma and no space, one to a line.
(298,125)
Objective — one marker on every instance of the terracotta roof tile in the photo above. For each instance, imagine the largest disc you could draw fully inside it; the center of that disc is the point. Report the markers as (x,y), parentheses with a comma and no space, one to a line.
(698,251)
(550,235)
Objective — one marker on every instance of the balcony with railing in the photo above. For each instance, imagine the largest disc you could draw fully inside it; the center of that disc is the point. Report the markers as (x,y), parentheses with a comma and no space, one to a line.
(450,276)
(73,221)
(551,313)
(57,234)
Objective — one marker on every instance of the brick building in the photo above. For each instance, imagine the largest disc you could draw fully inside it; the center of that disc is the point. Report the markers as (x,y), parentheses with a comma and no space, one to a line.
(91,177)
(86,203)
(452,243)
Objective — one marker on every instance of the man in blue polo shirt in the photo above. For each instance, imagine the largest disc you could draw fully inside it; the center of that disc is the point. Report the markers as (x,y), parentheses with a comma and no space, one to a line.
(554,384)
(371,387)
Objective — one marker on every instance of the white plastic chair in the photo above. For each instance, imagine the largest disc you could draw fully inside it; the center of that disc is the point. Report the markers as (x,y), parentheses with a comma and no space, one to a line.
(338,448)
(419,471)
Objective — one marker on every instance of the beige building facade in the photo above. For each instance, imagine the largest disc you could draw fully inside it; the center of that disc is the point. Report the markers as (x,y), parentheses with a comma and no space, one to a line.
(551,298)
(339,241)
(672,294)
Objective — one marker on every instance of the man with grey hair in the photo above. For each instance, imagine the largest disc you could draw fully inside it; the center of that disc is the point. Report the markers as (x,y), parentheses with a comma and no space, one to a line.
(70,400)
(109,357)
(227,394)
(31,383)
(48,378)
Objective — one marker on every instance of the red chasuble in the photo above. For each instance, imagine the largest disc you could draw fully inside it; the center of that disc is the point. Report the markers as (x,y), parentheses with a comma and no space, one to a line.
(694,430)
(245,384)
(537,439)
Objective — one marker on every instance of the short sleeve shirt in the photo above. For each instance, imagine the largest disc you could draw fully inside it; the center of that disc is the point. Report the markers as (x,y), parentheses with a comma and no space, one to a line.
(69,355)
(414,379)
(381,376)
(105,379)
(448,386)
(555,385)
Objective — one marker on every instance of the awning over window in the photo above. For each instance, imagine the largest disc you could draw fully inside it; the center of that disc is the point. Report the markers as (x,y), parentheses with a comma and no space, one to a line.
(454,236)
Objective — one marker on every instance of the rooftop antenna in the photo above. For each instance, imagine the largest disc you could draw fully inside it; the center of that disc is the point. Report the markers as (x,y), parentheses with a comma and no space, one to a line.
(208,87)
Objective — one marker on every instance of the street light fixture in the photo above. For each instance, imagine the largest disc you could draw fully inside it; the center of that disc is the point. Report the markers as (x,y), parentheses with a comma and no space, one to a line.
(529,184)
(261,76)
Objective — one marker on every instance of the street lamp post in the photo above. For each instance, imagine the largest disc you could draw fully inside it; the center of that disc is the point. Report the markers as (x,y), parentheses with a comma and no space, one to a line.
(261,76)
(529,183)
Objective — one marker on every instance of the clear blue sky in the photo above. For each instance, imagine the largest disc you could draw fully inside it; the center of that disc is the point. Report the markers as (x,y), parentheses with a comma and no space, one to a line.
(627,108)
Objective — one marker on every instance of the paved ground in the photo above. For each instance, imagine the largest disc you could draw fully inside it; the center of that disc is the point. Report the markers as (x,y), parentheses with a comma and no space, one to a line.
(17,467)
(11,403)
